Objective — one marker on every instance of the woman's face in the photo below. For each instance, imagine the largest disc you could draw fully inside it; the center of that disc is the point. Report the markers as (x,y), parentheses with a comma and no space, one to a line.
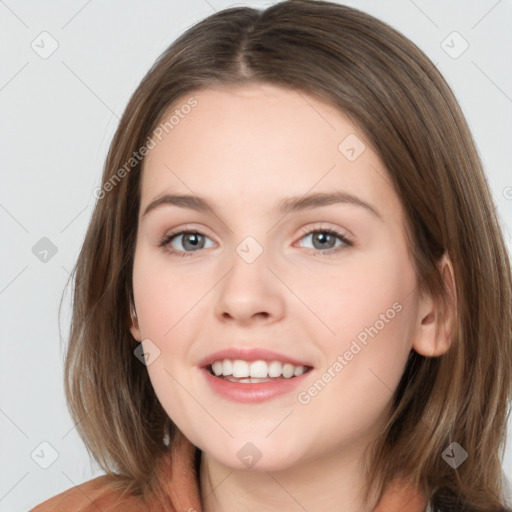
(252,273)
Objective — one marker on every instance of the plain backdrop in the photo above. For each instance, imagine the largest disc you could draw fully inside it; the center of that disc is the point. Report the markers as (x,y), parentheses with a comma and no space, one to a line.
(58,115)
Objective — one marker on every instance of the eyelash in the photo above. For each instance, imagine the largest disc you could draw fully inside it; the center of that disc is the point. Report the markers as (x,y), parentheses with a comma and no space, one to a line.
(167,239)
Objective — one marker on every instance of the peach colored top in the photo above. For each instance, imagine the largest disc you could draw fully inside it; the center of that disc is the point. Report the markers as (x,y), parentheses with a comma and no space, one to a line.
(179,491)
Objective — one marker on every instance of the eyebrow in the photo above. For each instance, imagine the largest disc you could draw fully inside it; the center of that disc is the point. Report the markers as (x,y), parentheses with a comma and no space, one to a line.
(285,206)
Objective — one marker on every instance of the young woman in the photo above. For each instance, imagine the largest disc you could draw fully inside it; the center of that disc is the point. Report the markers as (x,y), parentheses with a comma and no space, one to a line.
(294,292)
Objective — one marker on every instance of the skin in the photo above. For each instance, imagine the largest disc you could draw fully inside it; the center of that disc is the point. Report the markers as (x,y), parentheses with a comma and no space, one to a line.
(244,149)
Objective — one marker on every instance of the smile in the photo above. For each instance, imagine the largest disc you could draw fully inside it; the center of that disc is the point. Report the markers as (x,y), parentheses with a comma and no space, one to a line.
(248,389)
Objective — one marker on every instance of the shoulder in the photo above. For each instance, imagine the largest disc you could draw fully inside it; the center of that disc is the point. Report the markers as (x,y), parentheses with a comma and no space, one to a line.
(100,493)
(440,504)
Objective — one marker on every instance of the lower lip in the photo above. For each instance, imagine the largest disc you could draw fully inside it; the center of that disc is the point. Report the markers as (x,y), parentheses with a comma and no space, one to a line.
(253,392)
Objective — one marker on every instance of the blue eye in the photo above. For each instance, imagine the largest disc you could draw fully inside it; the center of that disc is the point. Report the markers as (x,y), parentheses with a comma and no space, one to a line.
(194,241)
(323,238)
(191,239)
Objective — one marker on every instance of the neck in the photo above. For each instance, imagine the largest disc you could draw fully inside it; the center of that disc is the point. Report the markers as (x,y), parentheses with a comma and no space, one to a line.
(331,482)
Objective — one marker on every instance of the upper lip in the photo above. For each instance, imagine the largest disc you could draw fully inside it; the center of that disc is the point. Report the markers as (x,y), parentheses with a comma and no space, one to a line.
(249,354)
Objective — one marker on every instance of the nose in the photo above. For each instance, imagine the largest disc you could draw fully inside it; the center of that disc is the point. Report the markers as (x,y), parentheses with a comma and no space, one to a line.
(250,292)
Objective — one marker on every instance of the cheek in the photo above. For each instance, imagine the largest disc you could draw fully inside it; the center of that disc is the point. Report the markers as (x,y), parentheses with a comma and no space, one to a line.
(353,296)
(164,294)
(370,312)
(369,309)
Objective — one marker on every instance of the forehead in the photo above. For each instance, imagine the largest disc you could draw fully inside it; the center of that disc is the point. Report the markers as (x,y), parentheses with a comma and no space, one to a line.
(263,141)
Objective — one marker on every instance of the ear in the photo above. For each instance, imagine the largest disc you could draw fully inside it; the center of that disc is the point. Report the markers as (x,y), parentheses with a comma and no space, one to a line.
(433,333)
(134,324)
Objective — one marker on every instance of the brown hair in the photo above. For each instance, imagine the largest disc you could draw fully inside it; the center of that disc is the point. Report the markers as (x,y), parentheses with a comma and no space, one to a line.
(389,89)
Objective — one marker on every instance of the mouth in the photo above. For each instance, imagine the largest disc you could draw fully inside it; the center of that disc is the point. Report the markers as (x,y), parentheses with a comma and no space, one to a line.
(244,387)
(255,372)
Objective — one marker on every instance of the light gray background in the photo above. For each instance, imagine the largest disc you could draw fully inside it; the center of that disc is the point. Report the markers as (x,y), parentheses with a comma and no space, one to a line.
(58,117)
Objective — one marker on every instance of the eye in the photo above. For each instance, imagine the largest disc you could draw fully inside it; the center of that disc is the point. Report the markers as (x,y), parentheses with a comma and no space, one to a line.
(323,240)
(193,240)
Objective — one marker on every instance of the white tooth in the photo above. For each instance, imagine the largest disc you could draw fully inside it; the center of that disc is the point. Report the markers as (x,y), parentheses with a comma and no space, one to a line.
(274,369)
(288,370)
(299,370)
(240,368)
(246,381)
(227,367)
(217,368)
(258,369)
